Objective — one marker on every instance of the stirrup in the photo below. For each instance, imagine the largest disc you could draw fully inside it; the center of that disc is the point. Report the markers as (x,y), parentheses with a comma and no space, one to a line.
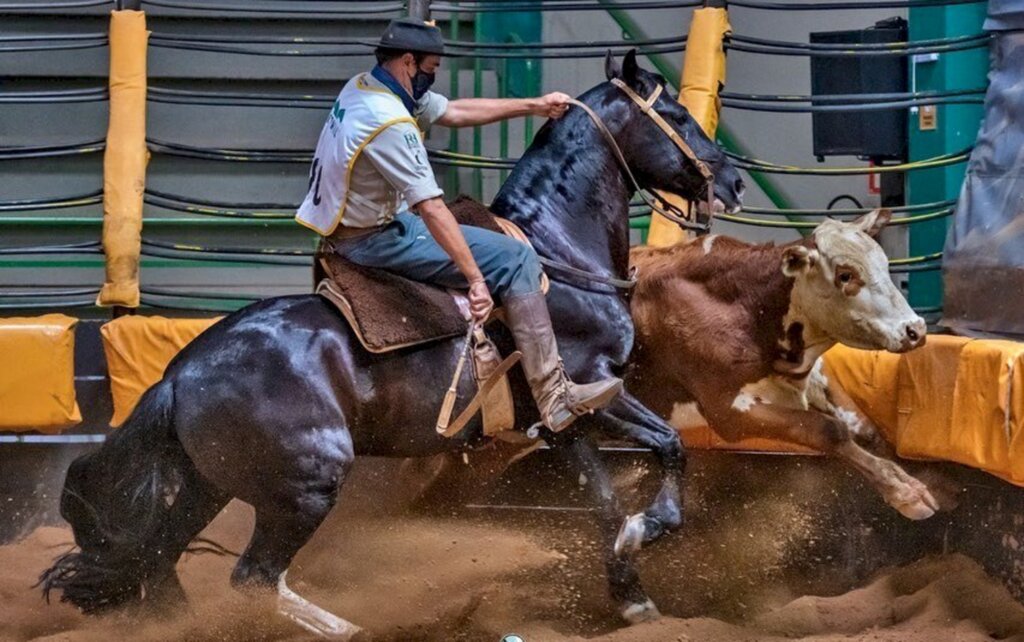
(574,405)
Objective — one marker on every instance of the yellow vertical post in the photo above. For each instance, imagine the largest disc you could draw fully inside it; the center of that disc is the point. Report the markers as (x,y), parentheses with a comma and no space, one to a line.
(124,162)
(703,75)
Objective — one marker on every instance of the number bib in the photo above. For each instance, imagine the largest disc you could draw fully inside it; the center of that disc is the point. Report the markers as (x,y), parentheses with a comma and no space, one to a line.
(360,113)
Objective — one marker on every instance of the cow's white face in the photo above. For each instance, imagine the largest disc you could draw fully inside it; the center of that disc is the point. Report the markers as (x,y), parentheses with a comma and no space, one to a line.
(842,288)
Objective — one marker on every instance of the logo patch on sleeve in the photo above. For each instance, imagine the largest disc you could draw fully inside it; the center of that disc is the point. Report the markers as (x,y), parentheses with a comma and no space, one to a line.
(337,111)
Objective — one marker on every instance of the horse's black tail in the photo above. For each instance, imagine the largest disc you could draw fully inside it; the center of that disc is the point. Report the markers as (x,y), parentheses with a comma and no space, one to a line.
(118,501)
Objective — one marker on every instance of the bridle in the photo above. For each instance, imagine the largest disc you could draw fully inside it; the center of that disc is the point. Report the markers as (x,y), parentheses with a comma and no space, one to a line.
(685,220)
(646,105)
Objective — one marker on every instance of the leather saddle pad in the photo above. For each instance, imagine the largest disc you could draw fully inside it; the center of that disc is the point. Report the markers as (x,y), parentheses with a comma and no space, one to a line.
(387,311)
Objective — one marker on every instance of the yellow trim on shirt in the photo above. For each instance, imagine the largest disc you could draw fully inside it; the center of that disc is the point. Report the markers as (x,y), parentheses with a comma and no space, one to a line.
(352,162)
(362,85)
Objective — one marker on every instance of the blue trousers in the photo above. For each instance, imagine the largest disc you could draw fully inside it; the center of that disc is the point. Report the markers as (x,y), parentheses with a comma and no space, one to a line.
(405,246)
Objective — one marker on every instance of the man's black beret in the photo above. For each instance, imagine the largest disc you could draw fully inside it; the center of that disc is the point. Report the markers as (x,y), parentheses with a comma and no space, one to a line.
(410,34)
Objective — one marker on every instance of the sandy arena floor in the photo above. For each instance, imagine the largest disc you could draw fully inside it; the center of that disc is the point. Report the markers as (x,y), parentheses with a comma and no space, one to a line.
(432,578)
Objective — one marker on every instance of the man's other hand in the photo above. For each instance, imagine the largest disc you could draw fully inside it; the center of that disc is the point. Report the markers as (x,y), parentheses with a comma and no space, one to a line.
(480,301)
(553,105)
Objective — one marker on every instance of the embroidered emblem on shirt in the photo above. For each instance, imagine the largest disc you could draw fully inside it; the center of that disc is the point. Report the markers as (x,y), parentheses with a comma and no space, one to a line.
(337,111)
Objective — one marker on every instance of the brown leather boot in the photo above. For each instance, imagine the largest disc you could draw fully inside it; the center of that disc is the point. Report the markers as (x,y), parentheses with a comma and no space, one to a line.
(559,400)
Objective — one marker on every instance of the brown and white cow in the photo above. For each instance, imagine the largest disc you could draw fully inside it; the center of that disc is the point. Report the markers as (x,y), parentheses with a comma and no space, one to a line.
(735,332)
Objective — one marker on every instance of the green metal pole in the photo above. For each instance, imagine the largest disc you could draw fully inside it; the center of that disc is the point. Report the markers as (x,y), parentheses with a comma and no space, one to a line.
(478,88)
(953,128)
(92,221)
(453,134)
(503,127)
(532,81)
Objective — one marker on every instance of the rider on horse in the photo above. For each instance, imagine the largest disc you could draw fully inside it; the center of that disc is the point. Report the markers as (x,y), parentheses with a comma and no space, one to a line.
(370,172)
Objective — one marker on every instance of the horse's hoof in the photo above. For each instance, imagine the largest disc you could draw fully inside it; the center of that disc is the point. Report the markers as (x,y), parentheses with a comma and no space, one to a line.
(631,535)
(314,619)
(645,611)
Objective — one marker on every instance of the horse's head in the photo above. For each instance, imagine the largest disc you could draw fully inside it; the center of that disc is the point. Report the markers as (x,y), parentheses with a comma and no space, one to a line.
(653,157)
(842,287)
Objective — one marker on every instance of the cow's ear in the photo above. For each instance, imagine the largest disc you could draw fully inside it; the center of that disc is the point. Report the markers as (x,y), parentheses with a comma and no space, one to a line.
(797,260)
(630,68)
(611,66)
(873,222)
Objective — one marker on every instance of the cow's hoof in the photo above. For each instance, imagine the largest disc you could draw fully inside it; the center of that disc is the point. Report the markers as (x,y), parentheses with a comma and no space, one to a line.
(631,535)
(638,612)
(921,505)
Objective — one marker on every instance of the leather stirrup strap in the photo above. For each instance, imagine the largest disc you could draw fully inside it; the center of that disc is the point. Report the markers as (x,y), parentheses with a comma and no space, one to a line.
(453,428)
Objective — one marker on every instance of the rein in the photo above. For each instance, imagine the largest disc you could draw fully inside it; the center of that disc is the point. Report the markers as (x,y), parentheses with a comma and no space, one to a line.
(672,213)
(611,281)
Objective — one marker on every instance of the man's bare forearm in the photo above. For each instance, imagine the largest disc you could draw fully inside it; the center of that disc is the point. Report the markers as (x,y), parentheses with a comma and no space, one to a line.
(445,230)
(467,112)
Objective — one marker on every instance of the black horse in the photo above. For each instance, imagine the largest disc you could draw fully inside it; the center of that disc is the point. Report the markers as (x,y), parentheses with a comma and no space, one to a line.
(272,404)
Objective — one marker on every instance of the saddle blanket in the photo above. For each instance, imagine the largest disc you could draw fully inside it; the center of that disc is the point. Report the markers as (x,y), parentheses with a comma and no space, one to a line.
(388,312)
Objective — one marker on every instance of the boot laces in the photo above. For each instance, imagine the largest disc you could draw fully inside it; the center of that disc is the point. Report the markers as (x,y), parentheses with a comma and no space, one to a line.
(565,389)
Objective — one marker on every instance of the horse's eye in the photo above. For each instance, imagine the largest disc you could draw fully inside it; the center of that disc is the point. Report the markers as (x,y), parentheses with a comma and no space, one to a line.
(845,277)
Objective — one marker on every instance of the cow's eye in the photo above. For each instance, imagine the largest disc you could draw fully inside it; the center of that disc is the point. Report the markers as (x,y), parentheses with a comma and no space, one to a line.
(845,277)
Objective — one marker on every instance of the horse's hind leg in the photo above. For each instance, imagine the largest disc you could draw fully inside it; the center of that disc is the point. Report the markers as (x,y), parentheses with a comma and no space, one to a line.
(281,530)
(193,502)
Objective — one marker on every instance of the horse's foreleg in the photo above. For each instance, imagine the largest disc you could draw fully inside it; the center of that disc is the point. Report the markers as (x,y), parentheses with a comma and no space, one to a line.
(632,420)
(623,580)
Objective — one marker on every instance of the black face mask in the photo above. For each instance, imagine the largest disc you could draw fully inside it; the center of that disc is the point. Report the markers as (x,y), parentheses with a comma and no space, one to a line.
(421,82)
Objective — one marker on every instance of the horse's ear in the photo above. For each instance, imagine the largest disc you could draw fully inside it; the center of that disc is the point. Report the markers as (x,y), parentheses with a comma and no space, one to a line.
(630,68)
(611,68)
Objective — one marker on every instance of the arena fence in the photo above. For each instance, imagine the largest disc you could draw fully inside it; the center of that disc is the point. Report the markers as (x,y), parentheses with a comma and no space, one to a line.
(133,363)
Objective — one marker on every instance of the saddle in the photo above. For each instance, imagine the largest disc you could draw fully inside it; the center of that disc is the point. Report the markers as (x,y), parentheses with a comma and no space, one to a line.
(388,312)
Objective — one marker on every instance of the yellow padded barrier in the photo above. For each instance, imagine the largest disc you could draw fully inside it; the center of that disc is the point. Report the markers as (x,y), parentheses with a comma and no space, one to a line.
(124,162)
(956,399)
(703,75)
(138,350)
(37,373)
(869,377)
(961,401)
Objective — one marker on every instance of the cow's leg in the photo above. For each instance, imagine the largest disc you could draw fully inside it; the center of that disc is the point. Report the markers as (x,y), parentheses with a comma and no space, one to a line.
(623,579)
(746,416)
(629,418)
(825,394)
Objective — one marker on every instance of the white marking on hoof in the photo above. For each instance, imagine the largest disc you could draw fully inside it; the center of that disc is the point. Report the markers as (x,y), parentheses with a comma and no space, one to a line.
(687,415)
(311,617)
(744,402)
(631,535)
(642,612)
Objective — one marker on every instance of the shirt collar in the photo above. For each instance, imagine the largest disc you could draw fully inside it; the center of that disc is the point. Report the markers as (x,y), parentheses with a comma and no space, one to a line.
(386,79)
